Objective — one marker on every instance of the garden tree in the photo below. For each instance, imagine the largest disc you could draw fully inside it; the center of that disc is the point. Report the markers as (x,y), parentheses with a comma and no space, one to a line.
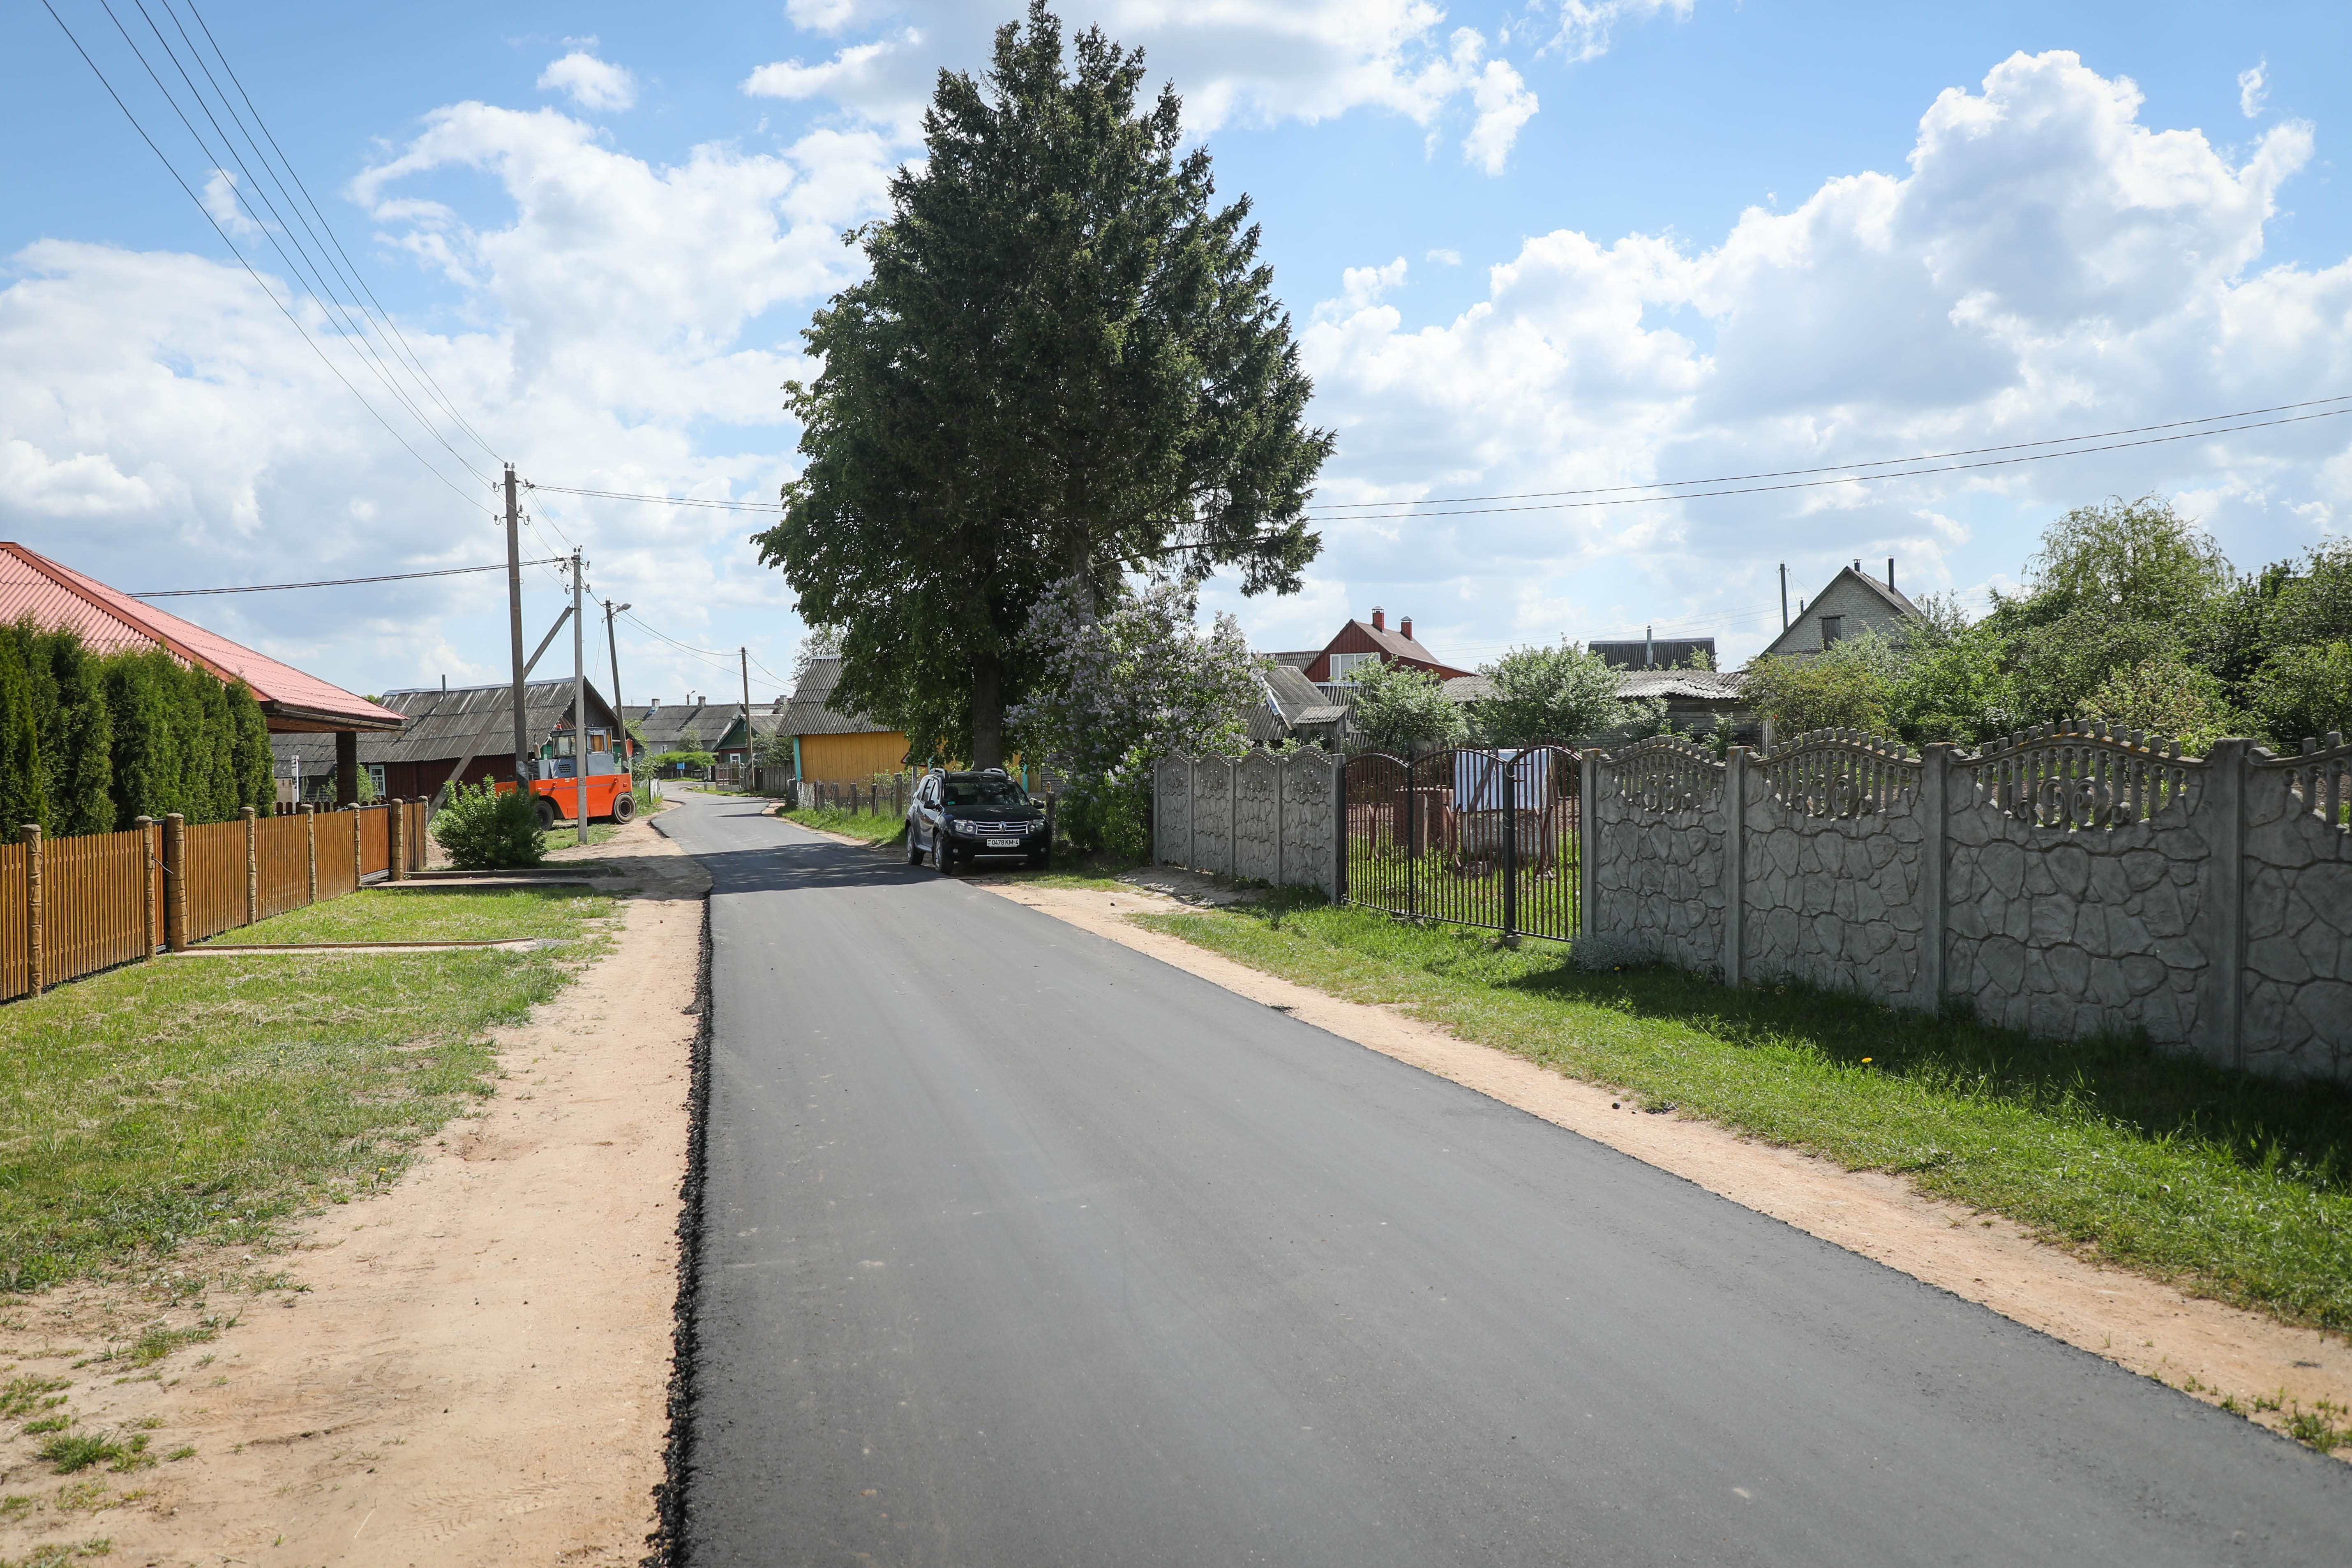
(1120,686)
(1399,708)
(2303,691)
(819,642)
(1064,364)
(1851,685)
(1555,694)
(2168,698)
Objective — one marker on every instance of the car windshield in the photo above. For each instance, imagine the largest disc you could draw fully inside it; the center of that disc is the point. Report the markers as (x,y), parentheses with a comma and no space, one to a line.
(985,792)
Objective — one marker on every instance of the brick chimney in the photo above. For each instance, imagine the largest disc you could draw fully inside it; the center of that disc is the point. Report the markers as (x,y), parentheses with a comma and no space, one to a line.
(1379,620)
(1404,628)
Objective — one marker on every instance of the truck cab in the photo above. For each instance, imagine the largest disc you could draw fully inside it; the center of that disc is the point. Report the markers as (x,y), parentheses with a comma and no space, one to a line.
(556,780)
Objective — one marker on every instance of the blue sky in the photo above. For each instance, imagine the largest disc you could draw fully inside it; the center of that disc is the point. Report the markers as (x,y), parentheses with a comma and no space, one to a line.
(1638,240)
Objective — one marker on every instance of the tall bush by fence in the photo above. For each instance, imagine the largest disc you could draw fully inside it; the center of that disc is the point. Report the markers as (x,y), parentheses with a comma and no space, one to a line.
(71,907)
(2070,880)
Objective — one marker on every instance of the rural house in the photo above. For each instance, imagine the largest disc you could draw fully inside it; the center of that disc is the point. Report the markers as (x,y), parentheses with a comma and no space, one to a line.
(55,596)
(470,726)
(829,746)
(1368,642)
(694,725)
(1853,600)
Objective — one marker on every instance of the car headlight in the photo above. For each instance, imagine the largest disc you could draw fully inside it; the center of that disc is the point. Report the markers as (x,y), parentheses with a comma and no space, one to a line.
(958,825)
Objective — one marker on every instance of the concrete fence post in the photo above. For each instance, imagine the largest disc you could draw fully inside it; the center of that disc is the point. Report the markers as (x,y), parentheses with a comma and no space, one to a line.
(146,827)
(1935,869)
(252,866)
(1735,864)
(397,826)
(310,847)
(32,954)
(2225,831)
(1588,843)
(175,882)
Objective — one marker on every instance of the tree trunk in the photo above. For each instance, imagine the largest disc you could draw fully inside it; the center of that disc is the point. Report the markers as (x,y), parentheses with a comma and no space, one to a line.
(987,712)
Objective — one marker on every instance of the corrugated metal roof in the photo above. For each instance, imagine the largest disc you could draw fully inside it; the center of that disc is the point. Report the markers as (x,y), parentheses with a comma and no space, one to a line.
(56,595)
(662,729)
(1705,685)
(810,711)
(443,726)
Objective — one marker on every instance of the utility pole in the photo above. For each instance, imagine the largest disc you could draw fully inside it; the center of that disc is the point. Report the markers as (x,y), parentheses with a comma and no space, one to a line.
(614,649)
(1784,595)
(579,709)
(514,626)
(743,654)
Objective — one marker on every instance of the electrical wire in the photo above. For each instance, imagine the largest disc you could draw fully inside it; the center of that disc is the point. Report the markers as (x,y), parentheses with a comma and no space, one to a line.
(173,171)
(323,582)
(313,282)
(663,500)
(1872,463)
(356,277)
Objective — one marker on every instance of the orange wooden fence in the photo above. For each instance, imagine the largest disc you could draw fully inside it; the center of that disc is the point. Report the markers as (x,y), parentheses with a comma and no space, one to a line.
(71,907)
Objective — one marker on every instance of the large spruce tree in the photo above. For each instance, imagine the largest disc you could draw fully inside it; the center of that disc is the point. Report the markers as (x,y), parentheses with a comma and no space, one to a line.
(1064,364)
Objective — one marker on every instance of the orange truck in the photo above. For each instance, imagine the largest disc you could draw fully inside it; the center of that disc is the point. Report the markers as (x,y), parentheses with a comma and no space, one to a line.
(611,795)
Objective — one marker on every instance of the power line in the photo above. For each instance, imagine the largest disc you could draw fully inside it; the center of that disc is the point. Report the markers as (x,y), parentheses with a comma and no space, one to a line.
(173,171)
(662,501)
(1845,474)
(356,275)
(313,282)
(329,582)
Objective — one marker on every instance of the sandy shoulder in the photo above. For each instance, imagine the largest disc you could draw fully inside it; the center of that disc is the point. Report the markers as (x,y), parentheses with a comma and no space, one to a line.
(2208,1349)
(474,1367)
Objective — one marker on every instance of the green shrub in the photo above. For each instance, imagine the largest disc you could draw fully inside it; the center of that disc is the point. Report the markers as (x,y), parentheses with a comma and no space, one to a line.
(1110,815)
(484,829)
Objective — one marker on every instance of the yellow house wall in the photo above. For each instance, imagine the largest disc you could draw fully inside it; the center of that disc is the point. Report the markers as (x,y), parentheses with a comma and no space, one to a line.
(841,758)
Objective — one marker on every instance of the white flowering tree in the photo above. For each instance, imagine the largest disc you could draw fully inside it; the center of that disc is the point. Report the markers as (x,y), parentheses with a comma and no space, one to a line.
(1120,686)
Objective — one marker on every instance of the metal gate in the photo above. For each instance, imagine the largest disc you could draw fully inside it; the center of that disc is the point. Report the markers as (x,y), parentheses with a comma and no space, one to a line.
(1471,837)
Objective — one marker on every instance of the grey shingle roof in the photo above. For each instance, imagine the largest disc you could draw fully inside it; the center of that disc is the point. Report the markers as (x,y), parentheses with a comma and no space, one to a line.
(1706,684)
(663,728)
(809,711)
(443,726)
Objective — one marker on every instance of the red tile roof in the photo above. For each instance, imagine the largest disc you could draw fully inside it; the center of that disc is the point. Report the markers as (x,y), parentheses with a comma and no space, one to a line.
(59,596)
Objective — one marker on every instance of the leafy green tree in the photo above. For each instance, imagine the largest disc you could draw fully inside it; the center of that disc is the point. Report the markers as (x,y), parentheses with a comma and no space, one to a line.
(140,692)
(1562,695)
(1399,708)
(78,750)
(2302,693)
(2168,698)
(1851,684)
(1064,363)
(1955,687)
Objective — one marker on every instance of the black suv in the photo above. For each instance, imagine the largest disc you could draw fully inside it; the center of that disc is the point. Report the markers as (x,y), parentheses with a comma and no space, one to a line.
(987,815)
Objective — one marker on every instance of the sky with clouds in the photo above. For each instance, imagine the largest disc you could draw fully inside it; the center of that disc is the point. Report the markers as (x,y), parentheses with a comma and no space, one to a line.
(1560,245)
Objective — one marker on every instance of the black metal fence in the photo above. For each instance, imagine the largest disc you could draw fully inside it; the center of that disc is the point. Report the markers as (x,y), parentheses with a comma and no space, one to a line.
(1471,837)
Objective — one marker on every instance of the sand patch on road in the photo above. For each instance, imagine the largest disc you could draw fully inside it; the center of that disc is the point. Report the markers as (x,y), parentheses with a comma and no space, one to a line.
(2201,1347)
(472,1368)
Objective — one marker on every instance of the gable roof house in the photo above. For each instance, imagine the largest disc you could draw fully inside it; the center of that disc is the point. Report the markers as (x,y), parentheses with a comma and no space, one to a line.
(470,726)
(1372,641)
(740,739)
(1293,709)
(694,725)
(1853,600)
(54,596)
(830,746)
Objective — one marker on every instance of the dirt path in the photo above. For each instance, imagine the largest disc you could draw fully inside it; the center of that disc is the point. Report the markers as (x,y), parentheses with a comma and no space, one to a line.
(2203,1347)
(470,1369)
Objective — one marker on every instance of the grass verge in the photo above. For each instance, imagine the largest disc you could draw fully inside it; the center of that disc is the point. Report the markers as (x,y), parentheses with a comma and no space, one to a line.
(428,914)
(875,828)
(2225,1184)
(171,1103)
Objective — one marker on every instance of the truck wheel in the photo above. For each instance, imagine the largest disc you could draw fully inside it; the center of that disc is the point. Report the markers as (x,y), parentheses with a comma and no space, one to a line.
(625,805)
(544,809)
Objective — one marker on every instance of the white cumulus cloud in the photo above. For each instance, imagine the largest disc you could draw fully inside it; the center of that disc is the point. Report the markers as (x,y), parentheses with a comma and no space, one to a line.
(594,85)
(2251,89)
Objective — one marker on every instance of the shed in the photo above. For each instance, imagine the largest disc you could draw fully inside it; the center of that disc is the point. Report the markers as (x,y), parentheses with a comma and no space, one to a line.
(832,747)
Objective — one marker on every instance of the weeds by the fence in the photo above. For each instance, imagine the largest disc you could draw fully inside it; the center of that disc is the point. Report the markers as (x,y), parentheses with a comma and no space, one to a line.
(2230,1185)
(206,1100)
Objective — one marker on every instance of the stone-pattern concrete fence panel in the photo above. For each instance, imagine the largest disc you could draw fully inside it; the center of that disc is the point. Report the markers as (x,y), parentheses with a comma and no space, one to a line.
(1267,817)
(2068,880)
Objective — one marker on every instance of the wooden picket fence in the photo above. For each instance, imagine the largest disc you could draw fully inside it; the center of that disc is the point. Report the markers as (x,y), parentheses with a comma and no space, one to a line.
(71,907)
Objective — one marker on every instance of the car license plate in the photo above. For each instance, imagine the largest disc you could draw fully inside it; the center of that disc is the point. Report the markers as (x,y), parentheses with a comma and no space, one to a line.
(1005,844)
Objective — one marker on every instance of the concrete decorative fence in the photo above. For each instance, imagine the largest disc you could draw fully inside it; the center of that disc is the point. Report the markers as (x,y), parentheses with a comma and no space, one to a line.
(71,907)
(2067,880)
(1275,819)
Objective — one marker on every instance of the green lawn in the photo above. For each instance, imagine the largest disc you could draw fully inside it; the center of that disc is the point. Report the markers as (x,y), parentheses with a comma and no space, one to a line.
(206,1100)
(876,828)
(2231,1186)
(429,914)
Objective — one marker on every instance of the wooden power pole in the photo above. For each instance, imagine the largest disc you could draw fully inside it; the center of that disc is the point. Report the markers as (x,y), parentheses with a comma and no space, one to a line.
(514,626)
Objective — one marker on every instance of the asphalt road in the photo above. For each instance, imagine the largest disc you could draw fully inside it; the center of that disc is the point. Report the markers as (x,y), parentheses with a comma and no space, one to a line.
(1023,1249)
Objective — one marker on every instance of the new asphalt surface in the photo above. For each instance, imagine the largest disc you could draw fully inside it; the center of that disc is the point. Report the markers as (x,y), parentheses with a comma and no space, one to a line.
(1021,1248)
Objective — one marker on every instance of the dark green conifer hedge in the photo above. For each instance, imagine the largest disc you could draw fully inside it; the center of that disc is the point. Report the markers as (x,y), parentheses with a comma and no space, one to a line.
(91,741)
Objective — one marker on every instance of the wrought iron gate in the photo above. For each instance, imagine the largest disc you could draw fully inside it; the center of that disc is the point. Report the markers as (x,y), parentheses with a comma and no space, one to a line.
(1472,838)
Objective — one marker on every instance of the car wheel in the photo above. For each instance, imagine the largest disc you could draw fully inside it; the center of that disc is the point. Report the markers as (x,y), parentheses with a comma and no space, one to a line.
(942,853)
(625,805)
(544,809)
(914,845)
